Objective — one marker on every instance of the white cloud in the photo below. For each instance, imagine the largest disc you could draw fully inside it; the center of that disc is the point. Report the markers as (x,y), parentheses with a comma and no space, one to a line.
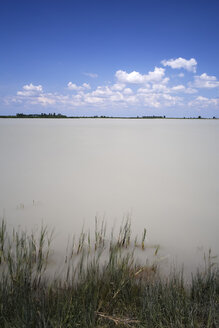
(117,96)
(34,95)
(105,97)
(179,88)
(189,65)
(127,91)
(102,91)
(137,78)
(205,81)
(30,90)
(92,75)
(32,87)
(133,77)
(73,86)
(165,80)
(45,100)
(181,74)
(160,88)
(146,89)
(118,86)
(156,75)
(130,90)
(159,100)
(93,100)
(190,90)
(201,101)
(86,86)
(25,93)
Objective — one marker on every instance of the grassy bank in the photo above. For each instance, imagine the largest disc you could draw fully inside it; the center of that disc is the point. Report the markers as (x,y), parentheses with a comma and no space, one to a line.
(101,285)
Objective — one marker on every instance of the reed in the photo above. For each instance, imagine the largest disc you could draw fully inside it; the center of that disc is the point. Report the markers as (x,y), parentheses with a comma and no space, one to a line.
(102,284)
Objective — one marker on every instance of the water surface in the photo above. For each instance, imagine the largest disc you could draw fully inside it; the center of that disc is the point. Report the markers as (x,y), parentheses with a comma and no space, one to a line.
(162,173)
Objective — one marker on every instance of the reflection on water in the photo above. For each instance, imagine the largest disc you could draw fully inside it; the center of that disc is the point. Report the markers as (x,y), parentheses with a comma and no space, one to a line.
(162,173)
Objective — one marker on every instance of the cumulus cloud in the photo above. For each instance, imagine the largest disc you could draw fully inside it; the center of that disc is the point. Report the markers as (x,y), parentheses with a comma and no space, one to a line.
(111,96)
(33,87)
(129,90)
(34,95)
(117,95)
(201,101)
(73,86)
(146,89)
(118,86)
(45,100)
(189,65)
(89,99)
(163,88)
(30,89)
(158,100)
(190,90)
(205,81)
(137,78)
(133,77)
(102,91)
(160,87)
(182,88)
(179,88)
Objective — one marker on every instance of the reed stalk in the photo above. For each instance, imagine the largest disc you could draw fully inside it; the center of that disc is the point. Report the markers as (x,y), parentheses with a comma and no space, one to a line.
(102,284)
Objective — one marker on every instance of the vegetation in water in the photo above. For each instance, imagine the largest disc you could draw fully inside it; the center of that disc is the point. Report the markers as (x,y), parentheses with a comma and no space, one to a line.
(101,285)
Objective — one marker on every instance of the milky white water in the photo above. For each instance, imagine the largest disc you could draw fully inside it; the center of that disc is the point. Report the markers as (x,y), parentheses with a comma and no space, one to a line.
(162,173)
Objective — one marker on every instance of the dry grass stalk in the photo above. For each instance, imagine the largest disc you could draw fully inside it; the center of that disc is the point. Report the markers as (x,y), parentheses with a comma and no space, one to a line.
(124,321)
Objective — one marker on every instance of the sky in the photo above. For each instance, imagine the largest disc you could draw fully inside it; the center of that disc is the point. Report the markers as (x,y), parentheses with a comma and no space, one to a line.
(110,57)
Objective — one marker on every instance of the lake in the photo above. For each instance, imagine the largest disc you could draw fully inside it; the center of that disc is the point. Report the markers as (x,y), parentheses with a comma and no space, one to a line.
(163,174)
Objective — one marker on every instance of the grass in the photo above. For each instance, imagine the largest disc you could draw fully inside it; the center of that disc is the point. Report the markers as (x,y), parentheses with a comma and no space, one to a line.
(101,285)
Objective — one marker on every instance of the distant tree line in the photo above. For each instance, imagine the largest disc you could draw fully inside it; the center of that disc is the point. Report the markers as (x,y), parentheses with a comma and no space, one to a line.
(154,116)
(42,115)
(54,115)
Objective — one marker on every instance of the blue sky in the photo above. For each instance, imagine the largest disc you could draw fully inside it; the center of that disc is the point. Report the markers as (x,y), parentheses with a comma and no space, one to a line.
(110,57)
